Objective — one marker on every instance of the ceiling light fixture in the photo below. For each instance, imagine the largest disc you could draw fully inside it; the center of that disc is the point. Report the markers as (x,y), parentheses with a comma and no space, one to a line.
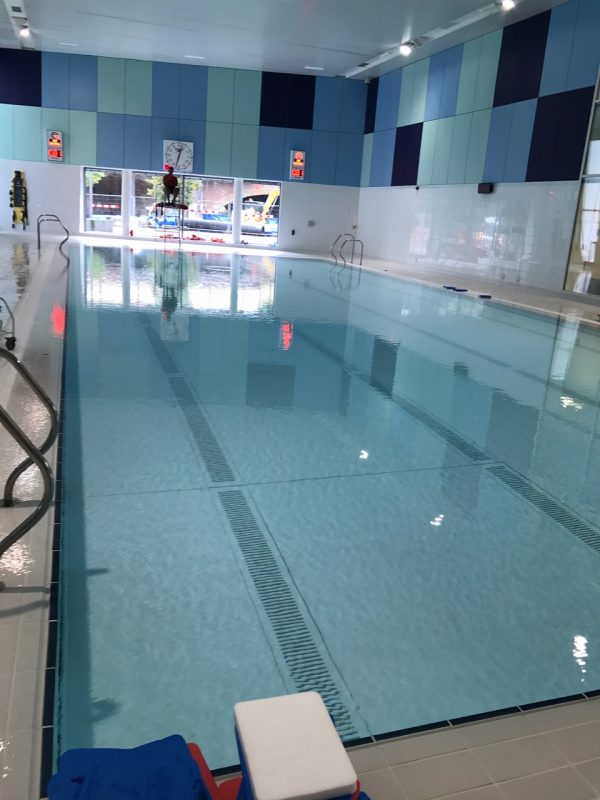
(317,69)
(68,44)
(406,48)
(198,58)
(25,32)
(508,5)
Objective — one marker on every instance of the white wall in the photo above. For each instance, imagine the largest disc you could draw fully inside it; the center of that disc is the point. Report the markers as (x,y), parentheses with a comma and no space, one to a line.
(520,232)
(51,188)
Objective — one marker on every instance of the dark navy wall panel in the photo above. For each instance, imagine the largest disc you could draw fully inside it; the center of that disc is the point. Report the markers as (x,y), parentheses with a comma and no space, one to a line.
(406,155)
(328,104)
(450,81)
(55,80)
(273,100)
(323,157)
(21,77)
(271,145)
(193,90)
(435,83)
(83,83)
(521,60)
(371,108)
(583,67)
(382,157)
(110,139)
(559,134)
(165,89)
(300,101)
(354,103)
(287,101)
(192,130)
(519,141)
(388,100)
(558,48)
(162,128)
(137,139)
(348,162)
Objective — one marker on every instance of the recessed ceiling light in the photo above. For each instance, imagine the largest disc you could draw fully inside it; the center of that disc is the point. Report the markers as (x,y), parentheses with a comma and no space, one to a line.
(317,69)
(406,49)
(68,44)
(25,32)
(508,5)
(198,58)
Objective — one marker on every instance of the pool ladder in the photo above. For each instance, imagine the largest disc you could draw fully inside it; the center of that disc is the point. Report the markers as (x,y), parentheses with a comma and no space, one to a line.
(340,243)
(35,455)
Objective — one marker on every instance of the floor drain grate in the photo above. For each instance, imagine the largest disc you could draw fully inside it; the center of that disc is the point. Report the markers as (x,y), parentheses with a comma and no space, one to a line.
(548,506)
(302,657)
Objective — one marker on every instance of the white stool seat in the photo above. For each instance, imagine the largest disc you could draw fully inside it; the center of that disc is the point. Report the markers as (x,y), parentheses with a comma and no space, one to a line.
(292,749)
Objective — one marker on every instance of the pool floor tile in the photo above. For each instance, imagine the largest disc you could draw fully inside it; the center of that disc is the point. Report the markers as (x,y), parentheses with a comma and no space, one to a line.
(381,784)
(435,777)
(560,784)
(580,743)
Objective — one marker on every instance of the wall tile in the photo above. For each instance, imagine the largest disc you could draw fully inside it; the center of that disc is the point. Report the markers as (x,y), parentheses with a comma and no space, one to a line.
(371,108)
(217,149)
(488,70)
(461,135)
(55,80)
(244,151)
(21,77)
(193,87)
(82,138)
(219,102)
(559,45)
(137,141)
(27,133)
(413,93)
(354,103)
(83,83)
(163,128)
(246,97)
(6,131)
(450,81)
(328,104)
(388,100)
(583,66)
(193,130)
(110,139)
(297,139)
(480,126)
(323,156)
(428,144)
(382,158)
(435,82)
(111,85)
(521,60)
(138,87)
(519,141)
(271,143)
(443,147)
(468,76)
(347,164)
(56,119)
(407,149)
(165,89)
(287,101)
(365,173)
(497,147)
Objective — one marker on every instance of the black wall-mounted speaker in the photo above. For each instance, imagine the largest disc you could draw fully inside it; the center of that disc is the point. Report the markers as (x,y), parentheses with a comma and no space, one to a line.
(485,188)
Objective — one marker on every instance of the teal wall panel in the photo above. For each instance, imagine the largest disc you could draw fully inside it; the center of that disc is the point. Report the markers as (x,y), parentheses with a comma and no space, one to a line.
(138,88)
(468,76)
(478,139)
(366,159)
(27,133)
(428,144)
(111,85)
(488,69)
(56,119)
(6,131)
(244,151)
(443,148)
(460,148)
(217,152)
(219,103)
(413,93)
(246,97)
(81,147)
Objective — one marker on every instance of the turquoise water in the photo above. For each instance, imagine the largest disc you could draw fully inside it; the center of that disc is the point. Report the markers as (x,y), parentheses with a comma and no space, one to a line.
(280,476)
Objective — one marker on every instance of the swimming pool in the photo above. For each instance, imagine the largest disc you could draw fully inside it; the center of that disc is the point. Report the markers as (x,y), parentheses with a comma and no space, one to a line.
(281,476)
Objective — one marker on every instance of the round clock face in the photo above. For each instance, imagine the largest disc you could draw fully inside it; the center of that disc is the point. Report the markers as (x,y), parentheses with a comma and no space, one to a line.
(179,155)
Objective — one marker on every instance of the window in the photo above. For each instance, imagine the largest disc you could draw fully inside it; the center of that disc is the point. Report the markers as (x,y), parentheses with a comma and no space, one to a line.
(260,213)
(102,200)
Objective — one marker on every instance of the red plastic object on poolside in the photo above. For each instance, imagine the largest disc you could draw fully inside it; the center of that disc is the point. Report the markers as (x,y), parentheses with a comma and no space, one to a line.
(227,790)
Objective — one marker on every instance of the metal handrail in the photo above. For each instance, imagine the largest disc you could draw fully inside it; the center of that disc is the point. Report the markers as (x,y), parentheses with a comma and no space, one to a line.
(35,456)
(354,241)
(49,441)
(51,218)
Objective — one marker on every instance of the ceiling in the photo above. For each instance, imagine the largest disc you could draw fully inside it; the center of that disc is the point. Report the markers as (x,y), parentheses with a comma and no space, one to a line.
(273,35)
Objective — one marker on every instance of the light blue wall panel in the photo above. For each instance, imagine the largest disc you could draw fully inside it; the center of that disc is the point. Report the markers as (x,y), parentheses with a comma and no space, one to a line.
(413,93)
(27,133)
(347,164)
(365,173)
(246,97)
(583,67)
(519,141)
(443,148)
(138,87)
(328,104)
(478,139)
(217,149)
(558,48)
(435,82)
(165,89)
(297,139)
(450,81)
(6,131)
(82,138)
(111,85)
(55,80)
(219,100)
(428,141)
(244,151)
(163,128)
(388,100)
(110,139)
(488,69)
(354,103)
(468,76)
(192,91)
(497,148)
(138,133)
(323,157)
(83,83)
(382,157)
(460,148)
(193,130)
(271,144)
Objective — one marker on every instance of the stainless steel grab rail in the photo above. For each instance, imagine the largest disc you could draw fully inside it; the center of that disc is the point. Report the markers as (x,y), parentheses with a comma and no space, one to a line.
(51,218)
(354,241)
(344,238)
(35,456)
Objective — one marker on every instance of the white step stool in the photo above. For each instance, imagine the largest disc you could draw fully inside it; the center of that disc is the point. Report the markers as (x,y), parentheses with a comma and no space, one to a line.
(291,749)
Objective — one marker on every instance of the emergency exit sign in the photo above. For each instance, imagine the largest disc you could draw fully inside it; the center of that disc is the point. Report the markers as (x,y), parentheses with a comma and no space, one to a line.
(54,146)
(297,162)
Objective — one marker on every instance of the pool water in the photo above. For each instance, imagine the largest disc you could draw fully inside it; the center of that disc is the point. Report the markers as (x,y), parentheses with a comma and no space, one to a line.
(281,476)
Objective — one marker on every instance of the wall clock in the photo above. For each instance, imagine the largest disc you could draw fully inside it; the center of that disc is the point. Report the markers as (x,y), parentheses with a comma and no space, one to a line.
(179,155)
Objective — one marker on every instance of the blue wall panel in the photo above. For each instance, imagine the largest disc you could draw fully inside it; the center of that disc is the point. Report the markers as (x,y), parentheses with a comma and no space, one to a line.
(497,147)
(323,156)
(110,139)
(83,83)
(435,83)
(163,128)
(271,145)
(297,139)
(55,80)
(347,165)
(519,141)
(586,46)
(371,105)
(354,104)
(328,104)
(450,81)
(137,140)
(382,158)
(193,91)
(559,45)
(165,89)
(192,130)
(388,100)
